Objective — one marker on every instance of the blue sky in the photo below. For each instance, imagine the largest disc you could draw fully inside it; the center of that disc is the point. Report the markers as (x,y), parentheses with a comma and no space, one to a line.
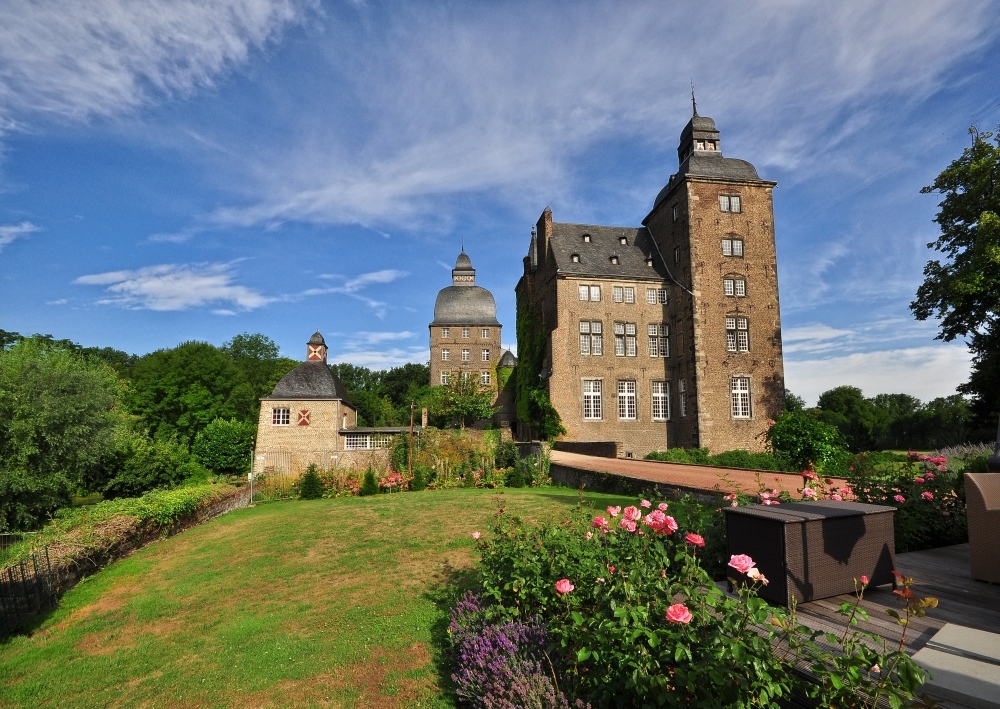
(183,170)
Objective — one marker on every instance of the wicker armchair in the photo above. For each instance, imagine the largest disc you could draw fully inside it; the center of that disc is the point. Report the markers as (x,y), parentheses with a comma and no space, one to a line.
(982,497)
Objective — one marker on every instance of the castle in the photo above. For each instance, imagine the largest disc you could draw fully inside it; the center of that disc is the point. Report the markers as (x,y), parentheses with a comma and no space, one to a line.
(663,335)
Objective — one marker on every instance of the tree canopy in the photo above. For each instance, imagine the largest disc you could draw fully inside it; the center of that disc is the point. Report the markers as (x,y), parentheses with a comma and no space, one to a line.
(964,290)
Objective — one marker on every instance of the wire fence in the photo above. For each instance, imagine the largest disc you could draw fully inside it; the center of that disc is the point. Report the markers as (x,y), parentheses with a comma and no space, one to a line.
(26,589)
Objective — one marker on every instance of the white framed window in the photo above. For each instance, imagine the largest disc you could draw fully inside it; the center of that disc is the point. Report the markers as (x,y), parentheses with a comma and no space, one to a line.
(445,355)
(465,332)
(586,238)
(484,378)
(591,337)
(280,417)
(656,295)
(661,401)
(618,294)
(466,355)
(592,409)
(595,293)
(584,292)
(486,355)
(737,333)
(486,333)
(620,339)
(651,296)
(730,203)
(629,295)
(659,339)
(366,441)
(740,388)
(682,391)
(626,400)
(630,344)
(445,378)
(732,247)
(445,332)
(734,286)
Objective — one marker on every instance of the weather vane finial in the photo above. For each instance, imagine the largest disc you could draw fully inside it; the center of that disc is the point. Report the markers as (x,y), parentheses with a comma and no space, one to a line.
(694,104)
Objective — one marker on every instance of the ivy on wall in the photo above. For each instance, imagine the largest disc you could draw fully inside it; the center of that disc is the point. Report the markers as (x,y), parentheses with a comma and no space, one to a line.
(534,409)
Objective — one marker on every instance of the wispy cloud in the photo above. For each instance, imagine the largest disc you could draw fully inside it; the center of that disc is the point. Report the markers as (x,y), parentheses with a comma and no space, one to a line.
(172,287)
(11,232)
(91,58)
(352,286)
(368,349)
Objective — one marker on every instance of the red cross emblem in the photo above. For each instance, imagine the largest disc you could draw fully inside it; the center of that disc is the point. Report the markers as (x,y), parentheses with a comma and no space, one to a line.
(304,417)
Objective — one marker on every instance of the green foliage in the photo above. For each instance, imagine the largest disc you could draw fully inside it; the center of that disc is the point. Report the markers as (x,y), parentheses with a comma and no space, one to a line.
(225,446)
(793,402)
(515,477)
(58,414)
(635,620)
(534,408)
(506,454)
(141,464)
(419,480)
(383,397)
(310,486)
(726,459)
(370,485)
(466,401)
(801,439)
(80,527)
(963,293)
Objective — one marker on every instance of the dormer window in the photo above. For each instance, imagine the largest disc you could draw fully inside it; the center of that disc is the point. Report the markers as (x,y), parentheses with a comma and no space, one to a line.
(614,260)
(649,261)
(623,240)
(575,258)
(586,238)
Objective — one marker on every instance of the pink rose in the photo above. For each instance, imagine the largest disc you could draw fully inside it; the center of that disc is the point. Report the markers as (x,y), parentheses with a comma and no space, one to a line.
(742,563)
(654,519)
(808,492)
(599,522)
(678,613)
(632,513)
(836,498)
(929,476)
(694,539)
(611,569)
(670,525)
(876,669)
(476,535)
(563,586)
(864,580)
(845,491)
(646,504)
(662,507)
(899,498)
(765,496)
(613,511)
(942,468)
(927,495)
(627,524)
(918,480)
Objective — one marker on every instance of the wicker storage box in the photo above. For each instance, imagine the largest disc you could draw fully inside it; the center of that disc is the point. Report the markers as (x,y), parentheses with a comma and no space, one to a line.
(813,550)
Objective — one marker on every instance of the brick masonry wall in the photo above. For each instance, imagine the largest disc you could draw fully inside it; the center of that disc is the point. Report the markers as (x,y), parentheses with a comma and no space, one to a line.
(319,442)
(600,449)
(455,343)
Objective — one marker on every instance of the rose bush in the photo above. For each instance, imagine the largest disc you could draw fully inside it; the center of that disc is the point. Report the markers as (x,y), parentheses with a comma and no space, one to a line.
(633,619)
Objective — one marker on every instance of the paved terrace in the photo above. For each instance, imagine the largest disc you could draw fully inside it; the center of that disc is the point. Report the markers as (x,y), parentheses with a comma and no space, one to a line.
(691,478)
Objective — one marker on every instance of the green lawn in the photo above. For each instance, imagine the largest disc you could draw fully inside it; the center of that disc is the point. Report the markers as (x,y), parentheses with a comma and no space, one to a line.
(339,603)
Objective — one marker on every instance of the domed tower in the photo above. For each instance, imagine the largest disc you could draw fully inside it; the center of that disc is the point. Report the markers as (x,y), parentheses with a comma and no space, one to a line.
(465,333)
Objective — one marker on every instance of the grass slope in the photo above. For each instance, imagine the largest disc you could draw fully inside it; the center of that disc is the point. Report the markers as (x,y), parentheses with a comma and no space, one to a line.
(332,603)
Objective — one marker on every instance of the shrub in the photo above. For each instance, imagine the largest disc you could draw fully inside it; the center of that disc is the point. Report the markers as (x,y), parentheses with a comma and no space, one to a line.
(633,619)
(515,477)
(143,464)
(506,454)
(310,486)
(370,485)
(419,481)
(727,459)
(225,446)
(802,440)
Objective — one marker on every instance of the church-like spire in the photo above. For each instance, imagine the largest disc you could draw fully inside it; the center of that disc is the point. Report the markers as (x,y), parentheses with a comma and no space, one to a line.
(463,274)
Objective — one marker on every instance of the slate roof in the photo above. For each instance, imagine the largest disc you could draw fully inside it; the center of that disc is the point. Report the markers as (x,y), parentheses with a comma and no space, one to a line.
(595,256)
(507,359)
(702,164)
(465,305)
(310,380)
(317,339)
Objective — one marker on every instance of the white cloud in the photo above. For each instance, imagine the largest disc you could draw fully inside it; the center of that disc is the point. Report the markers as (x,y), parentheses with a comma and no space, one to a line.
(60,301)
(923,372)
(10,232)
(171,287)
(91,58)
(351,287)
(457,102)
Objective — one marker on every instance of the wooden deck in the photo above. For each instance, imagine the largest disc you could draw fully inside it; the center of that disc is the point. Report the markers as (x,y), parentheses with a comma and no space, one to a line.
(942,573)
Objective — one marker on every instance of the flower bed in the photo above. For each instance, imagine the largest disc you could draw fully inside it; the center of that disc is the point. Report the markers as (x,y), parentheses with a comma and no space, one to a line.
(629,617)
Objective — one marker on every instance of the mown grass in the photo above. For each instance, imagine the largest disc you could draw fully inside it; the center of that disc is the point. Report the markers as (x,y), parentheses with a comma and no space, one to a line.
(332,603)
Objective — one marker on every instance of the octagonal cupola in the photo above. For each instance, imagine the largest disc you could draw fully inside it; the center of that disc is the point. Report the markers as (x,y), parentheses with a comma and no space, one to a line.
(463,274)
(316,348)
